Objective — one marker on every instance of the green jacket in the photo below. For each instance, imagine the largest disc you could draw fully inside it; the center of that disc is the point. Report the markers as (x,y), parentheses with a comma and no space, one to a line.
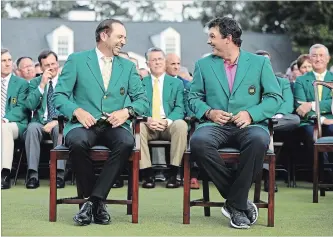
(36,101)
(304,91)
(287,106)
(15,106)
(255,88)
(81,77)
(173,96)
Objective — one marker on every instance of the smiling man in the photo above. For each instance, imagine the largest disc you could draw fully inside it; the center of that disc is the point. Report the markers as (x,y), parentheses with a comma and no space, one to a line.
(233,93)
(305,97)
(100,81)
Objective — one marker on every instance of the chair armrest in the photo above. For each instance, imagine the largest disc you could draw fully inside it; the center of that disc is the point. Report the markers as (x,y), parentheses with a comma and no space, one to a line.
(316,127)
(136,129)
(61,124)
(271,122)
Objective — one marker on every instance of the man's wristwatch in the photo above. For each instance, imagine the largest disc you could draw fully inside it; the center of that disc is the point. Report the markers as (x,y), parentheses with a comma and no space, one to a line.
(131,112)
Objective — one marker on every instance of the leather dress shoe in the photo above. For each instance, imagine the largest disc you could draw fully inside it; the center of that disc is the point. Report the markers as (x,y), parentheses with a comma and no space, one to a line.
(5,182)
(32,183)
(266,187)
(119,183)
(100,214)
(60,182)
(84,216)
(149,182)
(172,182)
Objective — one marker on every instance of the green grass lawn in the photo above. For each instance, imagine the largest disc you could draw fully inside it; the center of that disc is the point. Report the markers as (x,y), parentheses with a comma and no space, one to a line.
(25,212)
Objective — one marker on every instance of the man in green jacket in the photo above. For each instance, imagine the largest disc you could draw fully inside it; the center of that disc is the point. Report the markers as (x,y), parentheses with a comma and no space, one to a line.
(14,115)
(233,93)
(43,125)
(305,97)
(99,81)
(165,118)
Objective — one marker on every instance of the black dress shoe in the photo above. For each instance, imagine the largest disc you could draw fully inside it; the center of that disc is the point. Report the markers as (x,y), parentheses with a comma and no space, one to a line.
(32,183)
(266,187)
(119,183)
(172,182)
(101,215)
(5,182)
(149,182)
(60,182)
(84,216)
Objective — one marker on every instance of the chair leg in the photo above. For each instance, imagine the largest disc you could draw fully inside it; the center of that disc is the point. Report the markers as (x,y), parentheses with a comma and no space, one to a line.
(135,188)
(289,172)
(294,174)
(322,192)
(271,191)
(257,187)
(18,166)
(53,187)
(129,190)
(205,190)
(315,175)
(187,189)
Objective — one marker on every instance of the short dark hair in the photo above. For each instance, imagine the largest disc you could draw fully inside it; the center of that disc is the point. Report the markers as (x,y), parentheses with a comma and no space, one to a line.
(262,53)
(153,49)
(227,26)
(18,61)
(106,26)
(301,59)
(3,51)
(44,54)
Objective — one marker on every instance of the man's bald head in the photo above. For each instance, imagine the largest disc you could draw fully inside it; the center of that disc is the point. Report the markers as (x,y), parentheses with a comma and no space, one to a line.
(172,64)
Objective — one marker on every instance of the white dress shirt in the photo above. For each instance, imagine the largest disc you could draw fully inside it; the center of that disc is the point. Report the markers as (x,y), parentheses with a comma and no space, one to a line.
(161,83)
(7,78)
(46,88)
(101,62)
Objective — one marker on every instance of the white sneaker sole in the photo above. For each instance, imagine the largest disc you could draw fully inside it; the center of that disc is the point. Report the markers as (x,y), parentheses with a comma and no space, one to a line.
(255,207)
(227,214)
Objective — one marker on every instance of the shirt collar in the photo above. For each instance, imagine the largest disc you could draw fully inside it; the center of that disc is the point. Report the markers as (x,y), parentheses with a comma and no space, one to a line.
(7,78)
(233,64)
(100,55)
(321,74)
(159,78)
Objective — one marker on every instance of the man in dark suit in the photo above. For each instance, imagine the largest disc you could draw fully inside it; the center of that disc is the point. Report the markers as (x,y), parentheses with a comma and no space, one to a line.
(14,115)
(43,125)
(233,93)
(99,81)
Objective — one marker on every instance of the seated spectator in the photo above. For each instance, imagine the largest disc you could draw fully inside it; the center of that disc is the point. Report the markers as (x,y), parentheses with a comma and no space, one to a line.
(43,125)
(14,115)
(165,120)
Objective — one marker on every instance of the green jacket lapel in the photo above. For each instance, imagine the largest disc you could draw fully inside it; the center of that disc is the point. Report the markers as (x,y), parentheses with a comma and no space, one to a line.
(327,91)
(167,87)
(309,80)
(94,68)
(11,91)
(242,67)
(149,90)
(218,68)
(117,69)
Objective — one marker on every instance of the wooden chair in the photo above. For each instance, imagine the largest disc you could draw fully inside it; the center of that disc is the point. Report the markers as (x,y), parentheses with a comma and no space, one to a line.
(230,156)
(97,153)
(322,144)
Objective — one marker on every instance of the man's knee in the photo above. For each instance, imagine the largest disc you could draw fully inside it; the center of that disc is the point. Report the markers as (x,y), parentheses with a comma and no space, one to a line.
(198,143)
(180,126)
(33,129)
(259,137)
(126,142)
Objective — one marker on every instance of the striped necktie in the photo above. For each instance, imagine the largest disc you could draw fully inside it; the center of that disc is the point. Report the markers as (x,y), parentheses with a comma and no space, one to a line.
(3,97)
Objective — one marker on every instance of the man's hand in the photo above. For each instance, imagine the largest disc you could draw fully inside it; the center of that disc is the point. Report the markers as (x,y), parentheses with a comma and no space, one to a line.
(49,126)
(47,75)
(117,118)
(3,121)
(157,124)
(219,116)
(85,118)
(242,119)
(328,121)
(304,108)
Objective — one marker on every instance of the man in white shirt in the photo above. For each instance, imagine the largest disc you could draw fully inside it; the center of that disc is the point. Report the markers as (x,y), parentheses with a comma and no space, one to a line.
(43,125)
(165,120)
(14,116)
